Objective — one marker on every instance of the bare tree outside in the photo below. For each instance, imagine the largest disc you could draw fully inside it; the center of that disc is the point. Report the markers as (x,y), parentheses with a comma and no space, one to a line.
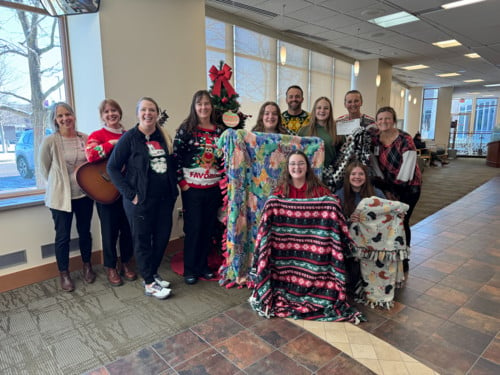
(31,71)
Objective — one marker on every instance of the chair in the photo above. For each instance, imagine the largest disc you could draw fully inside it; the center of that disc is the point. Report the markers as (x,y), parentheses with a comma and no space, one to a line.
(439,150)
(423,159)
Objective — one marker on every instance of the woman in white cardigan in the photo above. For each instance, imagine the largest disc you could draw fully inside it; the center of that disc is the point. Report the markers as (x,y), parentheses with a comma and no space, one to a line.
(60,155)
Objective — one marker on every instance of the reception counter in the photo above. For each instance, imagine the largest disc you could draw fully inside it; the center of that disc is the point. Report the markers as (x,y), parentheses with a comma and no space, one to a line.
(493,156)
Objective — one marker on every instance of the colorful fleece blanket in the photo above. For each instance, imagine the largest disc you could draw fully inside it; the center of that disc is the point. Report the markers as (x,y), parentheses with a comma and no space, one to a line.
(380,246)
(253,164)
(299,261)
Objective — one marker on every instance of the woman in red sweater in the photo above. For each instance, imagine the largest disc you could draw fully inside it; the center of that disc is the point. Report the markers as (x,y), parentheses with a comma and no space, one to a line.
(298,179)
(114,224)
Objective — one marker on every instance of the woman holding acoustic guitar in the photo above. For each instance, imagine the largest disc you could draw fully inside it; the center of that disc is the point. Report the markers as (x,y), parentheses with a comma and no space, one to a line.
(142,167)
(114,224)
(60,155)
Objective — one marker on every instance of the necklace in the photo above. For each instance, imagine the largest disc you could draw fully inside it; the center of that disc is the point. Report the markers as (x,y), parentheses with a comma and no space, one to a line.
(70,150)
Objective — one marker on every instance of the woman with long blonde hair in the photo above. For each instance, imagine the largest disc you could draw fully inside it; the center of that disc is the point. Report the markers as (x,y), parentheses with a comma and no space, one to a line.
(323,126)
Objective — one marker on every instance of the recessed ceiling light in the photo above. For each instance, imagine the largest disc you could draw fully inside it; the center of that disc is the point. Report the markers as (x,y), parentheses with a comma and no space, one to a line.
(473,80)
(415,67)
(394,19)
(492,85)
(448,75)
(460,3)
(472,55)
(474,93)
(447,43)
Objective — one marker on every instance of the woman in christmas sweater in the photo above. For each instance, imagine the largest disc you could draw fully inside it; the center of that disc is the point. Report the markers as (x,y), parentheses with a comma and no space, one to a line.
(142,167)
(114,224)
(396,164)
(198,175)
(298,179)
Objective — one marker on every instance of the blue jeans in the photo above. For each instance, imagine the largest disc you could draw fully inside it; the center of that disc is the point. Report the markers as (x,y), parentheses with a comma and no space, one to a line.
(82,208)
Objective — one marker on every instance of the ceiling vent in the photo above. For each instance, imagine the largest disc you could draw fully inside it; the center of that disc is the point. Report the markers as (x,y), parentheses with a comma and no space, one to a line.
(250,8)
(304,35)
(346,48)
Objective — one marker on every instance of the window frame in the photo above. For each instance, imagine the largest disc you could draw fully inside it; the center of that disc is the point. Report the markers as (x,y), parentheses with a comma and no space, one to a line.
(432,121)
(31,197)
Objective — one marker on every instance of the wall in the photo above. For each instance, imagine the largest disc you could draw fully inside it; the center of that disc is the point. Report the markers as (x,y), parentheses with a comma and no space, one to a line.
(413,111)
(365,83)
(129,49)
(384,90)
(443,116)
(397,102)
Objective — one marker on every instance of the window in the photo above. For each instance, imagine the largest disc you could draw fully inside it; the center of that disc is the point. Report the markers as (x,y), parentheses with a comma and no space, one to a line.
(294,72)
(218,40)
(342,73)
(461,109)
(258,75)
(486,114)
(31,78)
(254,67)
(321,76)
(429,111)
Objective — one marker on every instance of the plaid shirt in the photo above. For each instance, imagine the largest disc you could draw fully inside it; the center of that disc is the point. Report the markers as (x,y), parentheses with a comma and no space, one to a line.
(397,161)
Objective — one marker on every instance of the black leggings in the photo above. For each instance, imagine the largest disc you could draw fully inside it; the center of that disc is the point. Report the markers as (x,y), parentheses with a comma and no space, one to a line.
(409,195)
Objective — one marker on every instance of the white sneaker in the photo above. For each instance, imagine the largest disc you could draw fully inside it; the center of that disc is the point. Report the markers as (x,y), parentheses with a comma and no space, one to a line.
(159,280)
(157,291)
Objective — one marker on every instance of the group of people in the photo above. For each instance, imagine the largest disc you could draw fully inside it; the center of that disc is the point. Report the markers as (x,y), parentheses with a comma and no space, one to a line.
(147,167)
(392,172)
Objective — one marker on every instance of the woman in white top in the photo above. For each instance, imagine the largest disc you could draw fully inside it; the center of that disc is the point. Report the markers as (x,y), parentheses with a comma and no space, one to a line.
(60,155)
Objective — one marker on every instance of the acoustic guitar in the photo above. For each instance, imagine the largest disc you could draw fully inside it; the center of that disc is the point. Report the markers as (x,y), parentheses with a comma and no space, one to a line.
(96,183)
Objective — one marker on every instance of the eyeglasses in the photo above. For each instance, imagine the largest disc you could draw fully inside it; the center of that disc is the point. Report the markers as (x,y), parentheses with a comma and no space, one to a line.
(297,164)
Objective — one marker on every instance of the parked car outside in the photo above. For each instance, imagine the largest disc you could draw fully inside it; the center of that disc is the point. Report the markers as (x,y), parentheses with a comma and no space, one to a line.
(25,158)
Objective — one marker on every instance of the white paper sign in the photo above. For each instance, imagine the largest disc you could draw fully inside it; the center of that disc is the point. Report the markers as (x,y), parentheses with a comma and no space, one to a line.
(348,127)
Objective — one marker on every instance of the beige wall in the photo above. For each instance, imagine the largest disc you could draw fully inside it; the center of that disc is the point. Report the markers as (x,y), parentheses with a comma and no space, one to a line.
(443,116)
(398,102)
(413,111)
(129,49)
(365,83)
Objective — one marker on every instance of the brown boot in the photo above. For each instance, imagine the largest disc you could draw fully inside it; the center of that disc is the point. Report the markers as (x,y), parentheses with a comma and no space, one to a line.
(128,273)
(88,273)
(66,282)
(113,278)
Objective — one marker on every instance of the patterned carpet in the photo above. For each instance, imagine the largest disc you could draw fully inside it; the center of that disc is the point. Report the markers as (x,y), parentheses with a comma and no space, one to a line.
(43,331)
(444,185)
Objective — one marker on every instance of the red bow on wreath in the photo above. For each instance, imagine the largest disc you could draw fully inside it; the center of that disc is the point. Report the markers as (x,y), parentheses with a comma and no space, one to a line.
(221,78)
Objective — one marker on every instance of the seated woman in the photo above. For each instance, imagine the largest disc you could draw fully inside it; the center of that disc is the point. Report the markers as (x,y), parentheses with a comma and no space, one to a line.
(376,227)
(298,179)
(435,155)
(299,268)
(356,187)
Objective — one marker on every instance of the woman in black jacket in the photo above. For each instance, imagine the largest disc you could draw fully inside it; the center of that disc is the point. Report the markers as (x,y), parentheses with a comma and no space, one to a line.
(143,169)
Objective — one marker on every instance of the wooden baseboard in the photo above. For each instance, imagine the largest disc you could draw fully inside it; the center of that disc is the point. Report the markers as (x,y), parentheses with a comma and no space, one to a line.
(48,271)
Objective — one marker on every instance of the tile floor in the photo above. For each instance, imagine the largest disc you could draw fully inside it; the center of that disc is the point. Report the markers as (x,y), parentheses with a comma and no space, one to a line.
(446,320)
